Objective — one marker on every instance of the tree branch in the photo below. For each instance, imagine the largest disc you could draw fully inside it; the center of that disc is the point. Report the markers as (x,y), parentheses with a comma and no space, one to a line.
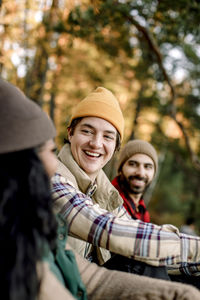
(172,112)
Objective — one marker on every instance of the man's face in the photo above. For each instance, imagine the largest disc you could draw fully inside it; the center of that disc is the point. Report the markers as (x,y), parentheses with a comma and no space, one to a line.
(137,173)
(93,144)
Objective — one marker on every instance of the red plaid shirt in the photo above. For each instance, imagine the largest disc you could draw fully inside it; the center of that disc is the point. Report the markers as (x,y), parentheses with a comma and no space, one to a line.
(141,213)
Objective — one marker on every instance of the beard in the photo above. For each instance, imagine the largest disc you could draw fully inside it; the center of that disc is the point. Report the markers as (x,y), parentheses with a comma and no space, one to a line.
(131,187)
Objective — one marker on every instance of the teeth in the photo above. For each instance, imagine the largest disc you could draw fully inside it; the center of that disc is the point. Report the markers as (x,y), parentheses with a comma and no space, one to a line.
(92,154)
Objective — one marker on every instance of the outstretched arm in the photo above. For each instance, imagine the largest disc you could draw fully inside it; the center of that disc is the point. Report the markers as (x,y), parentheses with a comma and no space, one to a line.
(155,245)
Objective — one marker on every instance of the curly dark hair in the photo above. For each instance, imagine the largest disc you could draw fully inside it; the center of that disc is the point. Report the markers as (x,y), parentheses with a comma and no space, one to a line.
(27,223)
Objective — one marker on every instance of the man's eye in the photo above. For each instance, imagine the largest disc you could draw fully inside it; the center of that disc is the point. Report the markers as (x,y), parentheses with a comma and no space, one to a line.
(132,164)
(149,167)
(109,137)
(86,131)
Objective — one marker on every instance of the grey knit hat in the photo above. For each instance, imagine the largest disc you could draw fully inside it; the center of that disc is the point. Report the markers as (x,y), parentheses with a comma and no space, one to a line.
(134,147)
(23,124)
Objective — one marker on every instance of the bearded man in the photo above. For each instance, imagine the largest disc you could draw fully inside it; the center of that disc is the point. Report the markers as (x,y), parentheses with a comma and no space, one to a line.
(137,167)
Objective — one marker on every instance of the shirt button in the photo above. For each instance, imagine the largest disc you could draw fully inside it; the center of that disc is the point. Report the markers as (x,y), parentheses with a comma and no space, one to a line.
(61,236)
(61,223)
(79,294)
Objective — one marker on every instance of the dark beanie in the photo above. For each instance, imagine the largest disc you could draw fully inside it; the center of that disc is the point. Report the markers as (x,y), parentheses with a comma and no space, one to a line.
(23,124)
(137,146)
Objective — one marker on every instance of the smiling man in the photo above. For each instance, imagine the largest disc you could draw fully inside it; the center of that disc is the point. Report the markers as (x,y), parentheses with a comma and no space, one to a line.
(137,167)
(94,133)
(93,143)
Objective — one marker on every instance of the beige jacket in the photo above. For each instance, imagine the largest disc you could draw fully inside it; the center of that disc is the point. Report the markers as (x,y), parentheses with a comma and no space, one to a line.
(102,193)
(51,288)
(103,284)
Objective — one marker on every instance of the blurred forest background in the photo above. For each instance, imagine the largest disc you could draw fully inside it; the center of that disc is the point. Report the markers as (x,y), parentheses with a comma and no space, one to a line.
(147,52)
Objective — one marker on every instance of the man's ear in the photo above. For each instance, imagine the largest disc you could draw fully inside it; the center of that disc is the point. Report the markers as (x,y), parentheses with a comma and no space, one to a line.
(119,172)
(69,131)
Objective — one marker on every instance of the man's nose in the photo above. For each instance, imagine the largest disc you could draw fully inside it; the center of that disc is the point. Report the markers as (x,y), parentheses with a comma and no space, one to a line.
(96,141)
(141,171)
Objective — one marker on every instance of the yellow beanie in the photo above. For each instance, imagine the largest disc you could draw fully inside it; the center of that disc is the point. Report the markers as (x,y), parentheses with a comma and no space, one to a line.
(102,104)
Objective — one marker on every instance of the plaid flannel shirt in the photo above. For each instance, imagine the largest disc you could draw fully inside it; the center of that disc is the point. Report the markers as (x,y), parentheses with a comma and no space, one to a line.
(156,245)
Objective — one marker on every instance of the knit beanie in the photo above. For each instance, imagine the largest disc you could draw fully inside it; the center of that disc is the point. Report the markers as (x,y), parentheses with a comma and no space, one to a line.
(101,103)
(137,146)
(23,124)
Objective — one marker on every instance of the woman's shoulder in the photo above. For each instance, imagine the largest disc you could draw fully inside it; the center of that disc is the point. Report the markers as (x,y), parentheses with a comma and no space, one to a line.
(51,288)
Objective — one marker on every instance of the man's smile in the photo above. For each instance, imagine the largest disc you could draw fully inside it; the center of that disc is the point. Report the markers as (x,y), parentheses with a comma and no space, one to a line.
(92,154)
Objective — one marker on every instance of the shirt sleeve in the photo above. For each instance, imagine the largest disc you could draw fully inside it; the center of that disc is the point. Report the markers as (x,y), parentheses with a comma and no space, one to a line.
(152,244)
(102,283)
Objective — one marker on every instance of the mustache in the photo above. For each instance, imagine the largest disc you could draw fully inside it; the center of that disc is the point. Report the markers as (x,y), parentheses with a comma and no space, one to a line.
(131,177)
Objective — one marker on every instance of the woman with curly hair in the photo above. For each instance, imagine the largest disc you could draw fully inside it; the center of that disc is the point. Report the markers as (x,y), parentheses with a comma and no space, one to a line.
(28,227)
